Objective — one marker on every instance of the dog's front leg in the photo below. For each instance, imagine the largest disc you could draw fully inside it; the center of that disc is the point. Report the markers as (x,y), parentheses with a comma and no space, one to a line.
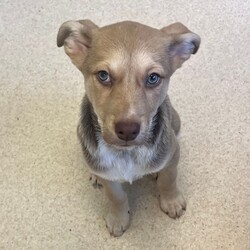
(117,219)
(172,201)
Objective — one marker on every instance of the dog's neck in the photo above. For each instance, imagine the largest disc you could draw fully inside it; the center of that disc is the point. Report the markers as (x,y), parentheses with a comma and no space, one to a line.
(148,157)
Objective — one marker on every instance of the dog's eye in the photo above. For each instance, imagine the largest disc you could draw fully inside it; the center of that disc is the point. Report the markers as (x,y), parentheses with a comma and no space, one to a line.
(153,80)
(103,76)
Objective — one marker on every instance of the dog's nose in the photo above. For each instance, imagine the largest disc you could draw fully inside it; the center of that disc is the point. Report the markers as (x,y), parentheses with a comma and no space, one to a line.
(127,131)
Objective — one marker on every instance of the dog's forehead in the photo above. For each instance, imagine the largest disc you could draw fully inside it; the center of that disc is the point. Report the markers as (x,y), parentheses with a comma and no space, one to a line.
(128,40)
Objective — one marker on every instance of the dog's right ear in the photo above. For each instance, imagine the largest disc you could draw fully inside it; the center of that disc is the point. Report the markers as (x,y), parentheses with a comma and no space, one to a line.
(76,37)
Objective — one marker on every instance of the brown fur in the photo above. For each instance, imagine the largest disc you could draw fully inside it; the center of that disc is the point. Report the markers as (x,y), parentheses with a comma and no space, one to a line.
(129,52)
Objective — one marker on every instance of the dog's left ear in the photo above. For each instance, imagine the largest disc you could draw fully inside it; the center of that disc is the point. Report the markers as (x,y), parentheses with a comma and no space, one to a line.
(182,43)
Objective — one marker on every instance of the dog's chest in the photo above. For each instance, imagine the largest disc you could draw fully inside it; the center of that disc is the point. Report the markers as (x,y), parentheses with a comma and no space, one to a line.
(124,165)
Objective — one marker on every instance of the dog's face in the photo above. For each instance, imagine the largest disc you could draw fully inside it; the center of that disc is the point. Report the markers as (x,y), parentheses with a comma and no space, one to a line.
(127,67)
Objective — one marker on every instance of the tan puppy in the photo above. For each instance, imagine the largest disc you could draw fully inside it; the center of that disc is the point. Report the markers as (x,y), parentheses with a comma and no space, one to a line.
(128,126)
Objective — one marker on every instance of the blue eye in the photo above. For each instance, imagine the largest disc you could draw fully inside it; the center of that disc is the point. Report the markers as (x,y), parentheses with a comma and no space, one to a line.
(153,80)
(103,76)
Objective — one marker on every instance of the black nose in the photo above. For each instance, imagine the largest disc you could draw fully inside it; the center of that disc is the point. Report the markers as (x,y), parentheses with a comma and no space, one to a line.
(127,130)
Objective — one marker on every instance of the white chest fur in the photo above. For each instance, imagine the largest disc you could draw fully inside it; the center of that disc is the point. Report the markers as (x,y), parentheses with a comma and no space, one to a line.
(125,164)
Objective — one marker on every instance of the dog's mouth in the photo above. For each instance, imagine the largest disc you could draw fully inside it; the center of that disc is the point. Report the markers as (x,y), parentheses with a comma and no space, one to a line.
(117,143)
(142,139)
(146,136)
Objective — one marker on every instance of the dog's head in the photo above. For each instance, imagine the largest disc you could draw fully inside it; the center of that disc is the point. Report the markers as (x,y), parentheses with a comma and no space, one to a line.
(127,67)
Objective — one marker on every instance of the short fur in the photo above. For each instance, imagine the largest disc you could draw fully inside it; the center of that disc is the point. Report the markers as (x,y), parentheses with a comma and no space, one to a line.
(128,164)
(128,128)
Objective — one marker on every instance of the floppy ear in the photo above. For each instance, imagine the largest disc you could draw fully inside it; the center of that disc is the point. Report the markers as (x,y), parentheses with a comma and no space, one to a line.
(76,37)
(182,44)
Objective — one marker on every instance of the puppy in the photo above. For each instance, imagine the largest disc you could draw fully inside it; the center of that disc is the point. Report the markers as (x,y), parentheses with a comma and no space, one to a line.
(128,126)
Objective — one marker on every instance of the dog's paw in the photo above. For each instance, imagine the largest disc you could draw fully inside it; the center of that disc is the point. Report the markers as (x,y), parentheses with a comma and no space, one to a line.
(94,180)
(117,222)
(173,205)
